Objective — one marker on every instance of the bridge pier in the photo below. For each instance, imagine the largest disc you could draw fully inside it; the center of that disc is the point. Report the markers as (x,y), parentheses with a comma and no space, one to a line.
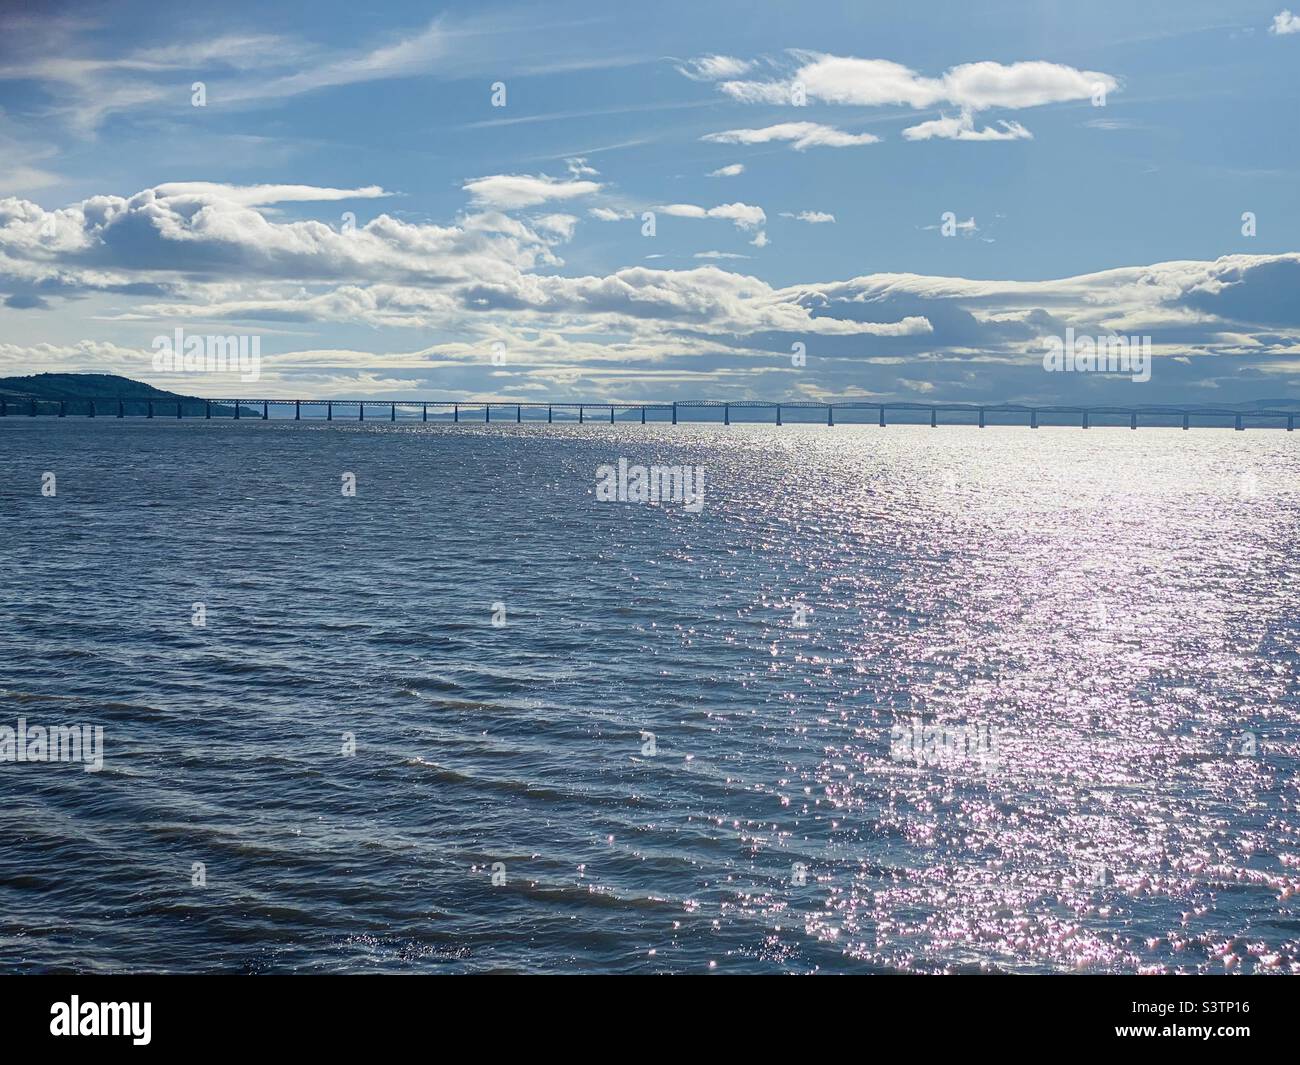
(487,412)
(1033,419)
(455,412)
(726,414)
(1085,419)
(519,415)
(830,414)
(297,410)
(674,412)
(1133,420)
(329,410)
(1240,426)
(643,415)
(1187,420)
(778,414)
(882,416)
(549,415)
(611,414)
(424,413)
(207,409)
(581,414)
(981,417)
(361,412)
(392,416)
(265,411)
(934,417)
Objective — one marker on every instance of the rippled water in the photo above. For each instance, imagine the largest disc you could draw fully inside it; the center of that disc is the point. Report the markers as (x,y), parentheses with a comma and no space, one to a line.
(1118,609)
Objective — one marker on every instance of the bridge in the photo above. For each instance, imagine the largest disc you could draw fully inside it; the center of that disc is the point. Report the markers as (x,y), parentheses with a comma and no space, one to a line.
(690,411)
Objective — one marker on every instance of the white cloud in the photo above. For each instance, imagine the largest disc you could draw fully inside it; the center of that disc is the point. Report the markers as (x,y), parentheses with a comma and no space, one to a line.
(509,191)
(27,179)
(205,252)
(963,129)
(881,82)
(811,217)
(802,135)
(182,237)
(255,69)
(1285,23)
(578,167)
(608,214)
(743,215)
(410,57)
(714,67)
(261,195)
(733,170)
(718,255)
(977,86)
(562,225)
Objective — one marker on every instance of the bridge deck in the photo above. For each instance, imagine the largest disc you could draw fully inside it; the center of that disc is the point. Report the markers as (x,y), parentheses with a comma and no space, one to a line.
(675,412)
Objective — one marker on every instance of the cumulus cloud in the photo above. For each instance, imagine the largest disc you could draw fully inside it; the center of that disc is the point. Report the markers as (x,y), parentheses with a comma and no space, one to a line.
(562,225)
(743,215)
(963,129)
(217,253)
(1284,23)
(209,251)
(801,135)
(173,236)
(811,217)
(609,214)
(880,82)
(510,191)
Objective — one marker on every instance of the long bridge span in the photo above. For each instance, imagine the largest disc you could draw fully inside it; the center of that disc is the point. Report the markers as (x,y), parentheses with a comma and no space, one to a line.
(855,412)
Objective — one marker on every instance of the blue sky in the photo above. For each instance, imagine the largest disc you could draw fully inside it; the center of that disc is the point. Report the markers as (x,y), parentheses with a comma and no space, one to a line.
(798,161)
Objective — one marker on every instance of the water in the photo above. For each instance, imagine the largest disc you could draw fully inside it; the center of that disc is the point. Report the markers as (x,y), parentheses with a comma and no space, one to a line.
(1117,608)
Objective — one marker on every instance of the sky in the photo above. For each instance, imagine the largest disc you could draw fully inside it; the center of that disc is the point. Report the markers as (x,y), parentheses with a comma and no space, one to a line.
(594,201)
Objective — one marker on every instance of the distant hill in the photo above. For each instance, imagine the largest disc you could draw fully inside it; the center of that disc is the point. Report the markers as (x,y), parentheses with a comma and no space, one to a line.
(103,386)
(76,391)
